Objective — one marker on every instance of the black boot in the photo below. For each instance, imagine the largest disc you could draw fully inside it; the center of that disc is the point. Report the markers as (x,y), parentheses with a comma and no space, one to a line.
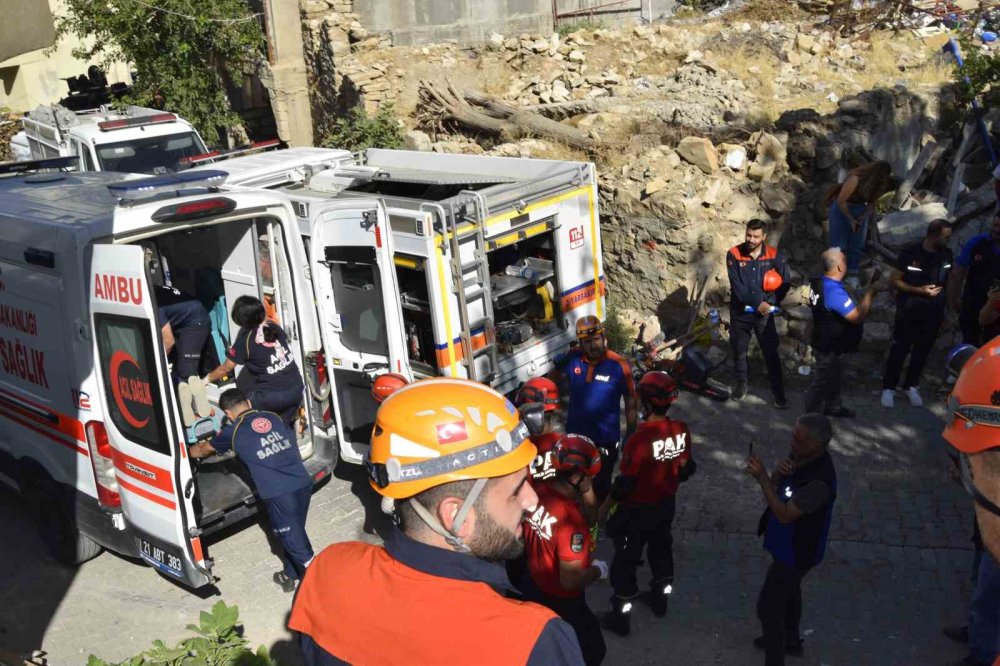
(739,391)
(660,591)
(619,620)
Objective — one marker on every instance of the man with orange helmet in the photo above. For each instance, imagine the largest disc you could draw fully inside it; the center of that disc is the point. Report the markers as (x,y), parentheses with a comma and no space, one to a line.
(598,381)
(656,459)
(540,394)
(558,544)
(757,276)
(973,429)
(454,455)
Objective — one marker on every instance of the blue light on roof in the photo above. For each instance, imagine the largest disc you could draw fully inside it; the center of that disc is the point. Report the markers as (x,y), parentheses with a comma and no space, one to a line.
(173,181)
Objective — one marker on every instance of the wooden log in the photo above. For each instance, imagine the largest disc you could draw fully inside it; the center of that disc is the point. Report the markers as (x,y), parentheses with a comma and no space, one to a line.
(914,173)
(955,187)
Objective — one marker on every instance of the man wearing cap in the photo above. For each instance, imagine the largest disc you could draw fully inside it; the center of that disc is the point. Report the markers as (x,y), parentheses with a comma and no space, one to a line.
(599,379)
(758,275)
(973,429)
(454,456)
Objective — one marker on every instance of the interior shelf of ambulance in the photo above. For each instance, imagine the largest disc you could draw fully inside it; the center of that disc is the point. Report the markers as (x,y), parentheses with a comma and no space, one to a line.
(217,264)
(524,289)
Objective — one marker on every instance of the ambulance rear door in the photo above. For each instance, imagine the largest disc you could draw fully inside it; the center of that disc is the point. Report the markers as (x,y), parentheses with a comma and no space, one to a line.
(150,460)
(361,318)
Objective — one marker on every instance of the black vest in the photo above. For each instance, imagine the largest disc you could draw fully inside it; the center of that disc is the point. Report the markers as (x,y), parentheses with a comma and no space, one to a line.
(984,268)
(802,543)
(830,331)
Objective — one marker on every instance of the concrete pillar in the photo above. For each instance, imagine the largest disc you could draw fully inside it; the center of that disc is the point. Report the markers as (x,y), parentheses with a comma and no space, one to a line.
(286,79)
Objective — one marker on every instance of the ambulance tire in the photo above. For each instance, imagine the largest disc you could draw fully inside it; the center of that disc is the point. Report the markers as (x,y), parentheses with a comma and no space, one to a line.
(58,528)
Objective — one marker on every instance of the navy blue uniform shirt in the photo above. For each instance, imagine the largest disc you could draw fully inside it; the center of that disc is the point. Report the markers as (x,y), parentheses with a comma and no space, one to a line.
(267,447)
(270,363)
(179,309)
(595,394)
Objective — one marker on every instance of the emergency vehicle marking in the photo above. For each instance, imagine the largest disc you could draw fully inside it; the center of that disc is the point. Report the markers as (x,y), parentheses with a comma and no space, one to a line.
(670,448)
(272,444)
(542,522)
(24,362)
(135,390)
(145,494)
(261,425)
(19,320)
(582,294)
(45,433)
(576,237)
(118,289)
(29,415)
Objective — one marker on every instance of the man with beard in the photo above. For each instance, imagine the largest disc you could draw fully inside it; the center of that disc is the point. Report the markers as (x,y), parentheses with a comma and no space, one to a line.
(919,277)
(455,455)
(598,381)
(974,430)
(800,496)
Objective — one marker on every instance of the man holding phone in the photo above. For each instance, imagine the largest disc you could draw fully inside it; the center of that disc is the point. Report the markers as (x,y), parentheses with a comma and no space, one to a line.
(919,276)
(989,315)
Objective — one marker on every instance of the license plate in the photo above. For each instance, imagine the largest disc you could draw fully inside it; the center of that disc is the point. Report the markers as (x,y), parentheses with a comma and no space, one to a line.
(165,558)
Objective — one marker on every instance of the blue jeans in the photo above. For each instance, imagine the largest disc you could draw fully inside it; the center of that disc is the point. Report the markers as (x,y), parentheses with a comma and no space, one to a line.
(984,618)
(852,243)
(287,514)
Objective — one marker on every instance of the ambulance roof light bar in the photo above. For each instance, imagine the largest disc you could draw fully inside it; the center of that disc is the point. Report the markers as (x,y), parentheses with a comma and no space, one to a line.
(144,188)
(219,155)
(37,165)
(107,125)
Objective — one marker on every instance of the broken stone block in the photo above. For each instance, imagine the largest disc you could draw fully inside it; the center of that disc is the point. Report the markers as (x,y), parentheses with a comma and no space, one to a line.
(576,56)
(735,156)
(760,172)
(496,41)
(654,185)
(700,152)
(905,226)
(417,140)
(776,200)
(804,42)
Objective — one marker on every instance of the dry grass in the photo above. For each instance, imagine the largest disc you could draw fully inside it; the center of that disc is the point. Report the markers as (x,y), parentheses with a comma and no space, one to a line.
(757,67)
(883,63)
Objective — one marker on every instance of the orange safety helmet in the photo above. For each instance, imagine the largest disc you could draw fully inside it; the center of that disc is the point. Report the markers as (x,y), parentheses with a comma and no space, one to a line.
(772,281)
(435,431)
(588,327)
(576,453)
(974,404)
(387,384)
(657,388)
(539,389)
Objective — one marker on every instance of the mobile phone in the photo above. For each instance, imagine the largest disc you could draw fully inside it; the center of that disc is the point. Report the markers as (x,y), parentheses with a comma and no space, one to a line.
(750,449)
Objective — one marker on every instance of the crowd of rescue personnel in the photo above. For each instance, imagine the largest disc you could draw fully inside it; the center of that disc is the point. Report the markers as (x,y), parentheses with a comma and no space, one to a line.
(499,504)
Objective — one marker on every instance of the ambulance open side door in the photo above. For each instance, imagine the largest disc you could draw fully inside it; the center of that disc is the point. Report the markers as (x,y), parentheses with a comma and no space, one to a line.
(151,463)
(361,317)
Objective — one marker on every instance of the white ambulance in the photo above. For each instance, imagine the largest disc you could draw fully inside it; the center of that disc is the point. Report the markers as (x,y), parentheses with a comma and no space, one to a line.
(391,260)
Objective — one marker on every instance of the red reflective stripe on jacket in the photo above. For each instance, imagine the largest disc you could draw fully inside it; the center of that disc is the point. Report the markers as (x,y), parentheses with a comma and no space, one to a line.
(363,607)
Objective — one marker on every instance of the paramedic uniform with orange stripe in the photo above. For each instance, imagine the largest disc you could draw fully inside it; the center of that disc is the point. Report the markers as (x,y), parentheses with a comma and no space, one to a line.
(267,447)
(595,394)
(412,603)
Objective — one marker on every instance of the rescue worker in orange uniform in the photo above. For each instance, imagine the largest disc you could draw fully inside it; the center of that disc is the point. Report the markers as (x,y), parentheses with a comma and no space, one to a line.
(974,430)
(454,455)
(656,459)
(558,544)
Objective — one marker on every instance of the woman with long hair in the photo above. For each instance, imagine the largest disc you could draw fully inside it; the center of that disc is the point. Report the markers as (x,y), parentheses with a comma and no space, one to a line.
(270,377)
(850,206)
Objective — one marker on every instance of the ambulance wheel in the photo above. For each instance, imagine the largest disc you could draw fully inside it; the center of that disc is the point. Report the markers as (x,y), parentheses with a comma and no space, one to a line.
(58,529)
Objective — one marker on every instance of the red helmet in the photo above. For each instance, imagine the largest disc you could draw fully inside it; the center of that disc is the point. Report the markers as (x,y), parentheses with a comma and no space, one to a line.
(385,385)
(539,389)
(657,388)
(576,453)
(772,281)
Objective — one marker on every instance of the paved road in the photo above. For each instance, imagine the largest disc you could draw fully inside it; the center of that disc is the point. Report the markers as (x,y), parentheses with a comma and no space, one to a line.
(896,570)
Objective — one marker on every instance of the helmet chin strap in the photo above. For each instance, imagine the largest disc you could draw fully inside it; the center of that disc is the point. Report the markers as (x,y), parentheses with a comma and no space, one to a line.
(432,522)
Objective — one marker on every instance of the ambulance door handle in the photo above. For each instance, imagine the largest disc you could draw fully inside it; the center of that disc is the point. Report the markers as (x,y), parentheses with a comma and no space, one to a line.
(189,488)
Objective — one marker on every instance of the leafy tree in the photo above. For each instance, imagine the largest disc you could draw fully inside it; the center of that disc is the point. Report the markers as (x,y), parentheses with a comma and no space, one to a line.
(358,131)
(182,51)
(980,73)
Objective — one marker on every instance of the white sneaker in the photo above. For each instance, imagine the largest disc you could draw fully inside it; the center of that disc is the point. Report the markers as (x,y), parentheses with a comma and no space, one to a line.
(888,398)
(914,397)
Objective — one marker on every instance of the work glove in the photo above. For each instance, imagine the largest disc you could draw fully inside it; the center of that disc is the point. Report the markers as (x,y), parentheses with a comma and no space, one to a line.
(602,566)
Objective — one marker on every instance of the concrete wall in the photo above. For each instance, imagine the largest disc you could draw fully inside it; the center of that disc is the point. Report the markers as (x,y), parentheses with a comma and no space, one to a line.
(468,21)
(285,75)
(34,77)
(471,21)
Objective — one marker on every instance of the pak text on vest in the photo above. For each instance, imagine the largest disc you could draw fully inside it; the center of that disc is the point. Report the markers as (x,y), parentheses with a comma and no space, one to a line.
(542,521)
(670,448)
(271,444)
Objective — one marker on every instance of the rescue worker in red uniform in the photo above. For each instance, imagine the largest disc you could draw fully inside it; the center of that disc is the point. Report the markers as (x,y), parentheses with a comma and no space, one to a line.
(454,455)
(540,392)
(656,459)
(558,545)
